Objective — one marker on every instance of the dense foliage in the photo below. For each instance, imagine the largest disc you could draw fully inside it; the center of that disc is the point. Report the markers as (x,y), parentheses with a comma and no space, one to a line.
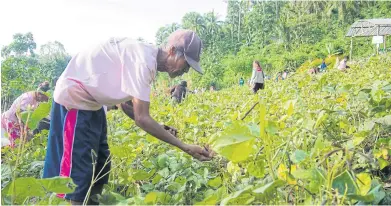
(280,34)
(22,69)
(310,139)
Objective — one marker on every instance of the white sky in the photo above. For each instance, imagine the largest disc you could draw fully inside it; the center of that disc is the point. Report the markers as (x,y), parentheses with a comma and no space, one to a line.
(80,23)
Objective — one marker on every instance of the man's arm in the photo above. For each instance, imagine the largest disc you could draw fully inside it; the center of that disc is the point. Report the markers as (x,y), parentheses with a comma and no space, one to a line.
(172,89)
(127,108)
(184,92)
(145,122)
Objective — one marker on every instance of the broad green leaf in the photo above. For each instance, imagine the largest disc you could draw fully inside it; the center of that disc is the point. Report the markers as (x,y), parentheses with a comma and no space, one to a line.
(299,156)
(147,163)
(24,187)
(164,172)
(344,182)
(110,198)
(232,167)
(289,107)
(6,173)
(359,137)
(309,124)
(368,125)
(164,198)
(379,194)
(365,198)
(303,174)
(215,182)
(271,127)
(382,163)
(181,180)
(234,134)
(143,175)
(214,197)
(322,116)
(283,174)
(243,196)
(210,200)
(237,152)
(173,165)
(61,185)
(147,187)
(37,115)
(386,120)
(235,143)
(156,179)
(162,160)
(151,198)
(269,187)
(174,187)
(157,197)
(363,181)
(321,144)
(314,177)
(256,168)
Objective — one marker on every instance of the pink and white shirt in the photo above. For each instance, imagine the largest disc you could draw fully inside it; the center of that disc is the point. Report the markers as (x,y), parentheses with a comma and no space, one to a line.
(342,65)
(22,103)
(110,73)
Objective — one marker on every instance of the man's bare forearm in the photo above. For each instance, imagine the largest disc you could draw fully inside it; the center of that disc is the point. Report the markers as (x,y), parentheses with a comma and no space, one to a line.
(127,108)
(155,129)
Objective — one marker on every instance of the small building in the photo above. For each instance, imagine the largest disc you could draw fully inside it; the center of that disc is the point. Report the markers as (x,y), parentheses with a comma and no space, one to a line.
(376,28)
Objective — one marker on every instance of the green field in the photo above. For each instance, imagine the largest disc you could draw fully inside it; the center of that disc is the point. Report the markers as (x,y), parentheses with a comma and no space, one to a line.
(320,139)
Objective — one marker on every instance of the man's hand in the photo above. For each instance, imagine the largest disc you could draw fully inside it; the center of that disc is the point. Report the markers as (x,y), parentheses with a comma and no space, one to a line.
(198,152)
(171,130)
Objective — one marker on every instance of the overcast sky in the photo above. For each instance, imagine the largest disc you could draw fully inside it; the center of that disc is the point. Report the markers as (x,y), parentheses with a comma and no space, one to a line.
(80,23)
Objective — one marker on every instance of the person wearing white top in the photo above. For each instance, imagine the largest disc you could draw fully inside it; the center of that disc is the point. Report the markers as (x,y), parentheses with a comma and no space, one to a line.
(257,78)
(118,72)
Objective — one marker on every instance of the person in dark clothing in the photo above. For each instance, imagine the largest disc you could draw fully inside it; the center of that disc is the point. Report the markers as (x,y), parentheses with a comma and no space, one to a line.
(179,92)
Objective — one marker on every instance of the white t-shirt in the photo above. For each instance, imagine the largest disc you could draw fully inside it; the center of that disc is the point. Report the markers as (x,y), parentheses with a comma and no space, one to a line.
(342,65)
(110,73)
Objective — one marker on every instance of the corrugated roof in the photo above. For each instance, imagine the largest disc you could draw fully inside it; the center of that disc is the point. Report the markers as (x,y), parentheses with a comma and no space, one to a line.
(370,27)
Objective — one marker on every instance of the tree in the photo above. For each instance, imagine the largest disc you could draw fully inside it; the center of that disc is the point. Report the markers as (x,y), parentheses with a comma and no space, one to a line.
(53,49)
(53,59)
(193,21)
(22,44)
(163,33)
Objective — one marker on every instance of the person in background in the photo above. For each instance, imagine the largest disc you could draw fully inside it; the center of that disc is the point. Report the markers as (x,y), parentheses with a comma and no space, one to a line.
(336,63)
(212,87)
(342,65)
(178,92)
(10,120)
(279,76)
(284,74)
(257,78)
(313,70)
(323,66)
(241,81)
(44,86)
(118,71)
